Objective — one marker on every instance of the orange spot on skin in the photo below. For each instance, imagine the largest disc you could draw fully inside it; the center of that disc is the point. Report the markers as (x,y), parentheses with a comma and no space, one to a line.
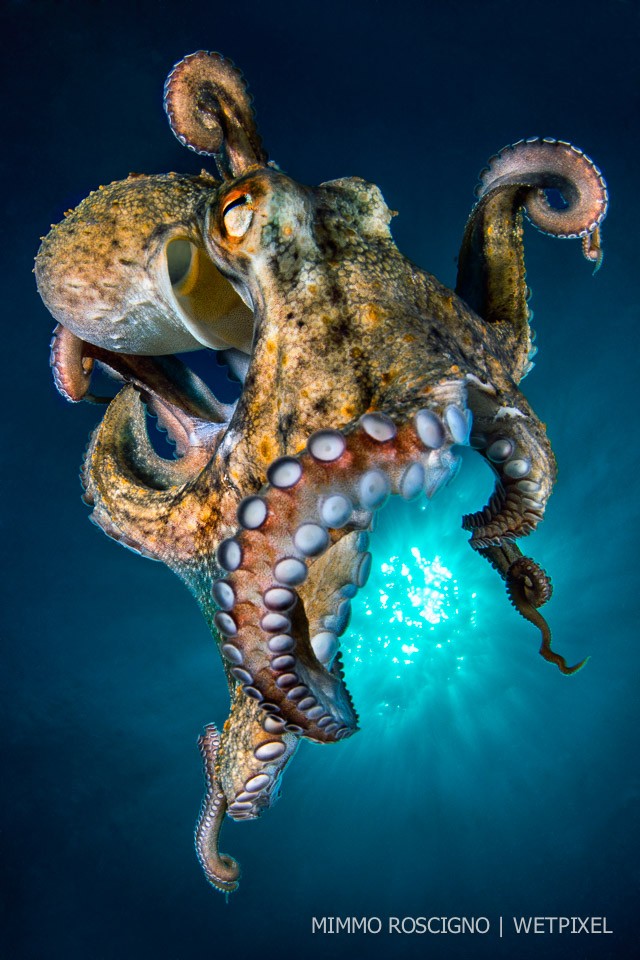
(454,368)
(347,411)
(267,449)
(271,346)
(371,315)
(409,338)
(287,230)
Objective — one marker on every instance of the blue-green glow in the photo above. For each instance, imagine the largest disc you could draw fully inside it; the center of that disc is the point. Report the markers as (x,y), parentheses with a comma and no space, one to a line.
(415,623)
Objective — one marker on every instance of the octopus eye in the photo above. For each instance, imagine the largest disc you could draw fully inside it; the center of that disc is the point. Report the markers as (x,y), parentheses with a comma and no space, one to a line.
(237,216)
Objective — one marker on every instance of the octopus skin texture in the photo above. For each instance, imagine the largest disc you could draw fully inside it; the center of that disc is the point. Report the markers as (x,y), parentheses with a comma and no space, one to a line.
(361,374)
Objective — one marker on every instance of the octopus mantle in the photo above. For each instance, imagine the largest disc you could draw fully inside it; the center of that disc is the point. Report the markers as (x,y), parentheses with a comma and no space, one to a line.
(360,374)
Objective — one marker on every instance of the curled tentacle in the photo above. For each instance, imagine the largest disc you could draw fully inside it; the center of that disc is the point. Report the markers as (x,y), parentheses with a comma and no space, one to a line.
(491,271)
(514,443)
(133,491)
(210,111)
(183,404)
(528,588)
(221,870)
(243,768)
(535,586)
(70,365)
(546,164)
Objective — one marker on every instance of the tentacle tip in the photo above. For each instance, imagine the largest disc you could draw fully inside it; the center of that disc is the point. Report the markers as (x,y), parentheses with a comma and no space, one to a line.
(592,249)
(552,657)
(230,881)
(569,671)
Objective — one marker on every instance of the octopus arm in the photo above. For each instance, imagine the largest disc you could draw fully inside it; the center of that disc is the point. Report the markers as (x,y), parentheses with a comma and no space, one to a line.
(280,617)
(183,404)
(221,870)
(210,112)
(491,271)
(71,366)
(528,587)
(492,277)
(134,491)
(243,768)
(513,442)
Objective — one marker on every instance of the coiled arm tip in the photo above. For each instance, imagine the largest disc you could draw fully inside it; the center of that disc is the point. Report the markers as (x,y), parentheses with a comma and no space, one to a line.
(528,588)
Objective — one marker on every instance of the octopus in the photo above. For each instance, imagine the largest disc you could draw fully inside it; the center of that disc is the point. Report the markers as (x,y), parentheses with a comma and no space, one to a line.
(360,377)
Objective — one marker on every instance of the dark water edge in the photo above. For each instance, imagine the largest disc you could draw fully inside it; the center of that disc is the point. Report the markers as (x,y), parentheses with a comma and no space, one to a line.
(497,789)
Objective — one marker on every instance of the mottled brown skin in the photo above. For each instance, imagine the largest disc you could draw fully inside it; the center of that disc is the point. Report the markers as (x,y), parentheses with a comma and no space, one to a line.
(102,271)
(341,334)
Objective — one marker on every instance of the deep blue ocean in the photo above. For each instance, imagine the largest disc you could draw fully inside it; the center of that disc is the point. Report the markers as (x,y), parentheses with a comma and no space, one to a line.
(483,784)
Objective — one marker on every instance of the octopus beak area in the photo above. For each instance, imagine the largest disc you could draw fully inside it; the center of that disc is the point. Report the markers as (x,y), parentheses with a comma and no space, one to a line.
(300,553)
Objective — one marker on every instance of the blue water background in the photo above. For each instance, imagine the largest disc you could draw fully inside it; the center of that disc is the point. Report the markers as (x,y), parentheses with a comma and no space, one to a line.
(482,783)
